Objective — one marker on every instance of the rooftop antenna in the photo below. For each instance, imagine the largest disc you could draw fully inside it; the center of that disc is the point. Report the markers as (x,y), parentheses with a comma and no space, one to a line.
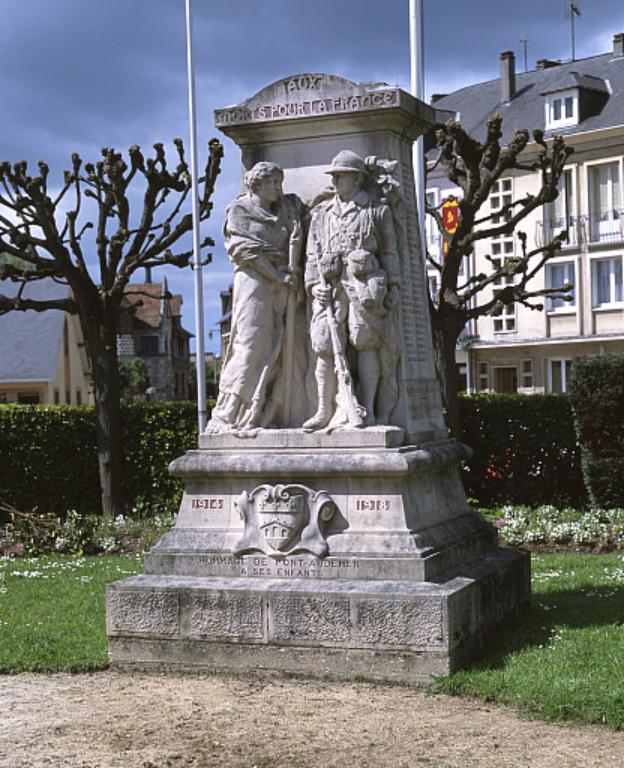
(524,43)
(574,12)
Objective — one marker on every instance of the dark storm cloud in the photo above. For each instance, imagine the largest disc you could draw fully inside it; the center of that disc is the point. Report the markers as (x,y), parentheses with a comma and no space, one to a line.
(82,74)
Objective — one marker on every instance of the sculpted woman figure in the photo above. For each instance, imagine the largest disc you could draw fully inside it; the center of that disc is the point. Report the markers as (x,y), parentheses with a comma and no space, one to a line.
(264,239)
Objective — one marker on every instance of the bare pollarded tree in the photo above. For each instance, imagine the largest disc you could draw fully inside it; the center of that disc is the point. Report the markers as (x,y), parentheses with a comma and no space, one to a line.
(475,168)
(92,235)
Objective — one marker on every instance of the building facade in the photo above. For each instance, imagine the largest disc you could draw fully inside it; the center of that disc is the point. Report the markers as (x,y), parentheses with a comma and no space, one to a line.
(150,328)
(42,354)
(519,349)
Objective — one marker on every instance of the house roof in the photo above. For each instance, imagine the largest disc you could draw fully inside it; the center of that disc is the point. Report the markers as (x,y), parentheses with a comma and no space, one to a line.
(30,342)
(576,80)
(148,297)
(475,103)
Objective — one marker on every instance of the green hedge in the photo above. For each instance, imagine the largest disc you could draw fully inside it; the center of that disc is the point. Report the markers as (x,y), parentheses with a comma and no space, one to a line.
(49,457)
(597,398)
(524,446)
(525,450)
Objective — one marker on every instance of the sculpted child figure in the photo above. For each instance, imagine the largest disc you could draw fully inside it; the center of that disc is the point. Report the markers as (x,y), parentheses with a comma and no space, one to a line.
(263,238)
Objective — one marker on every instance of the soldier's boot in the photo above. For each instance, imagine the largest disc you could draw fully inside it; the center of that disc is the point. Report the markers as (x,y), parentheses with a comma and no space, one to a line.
(326,389)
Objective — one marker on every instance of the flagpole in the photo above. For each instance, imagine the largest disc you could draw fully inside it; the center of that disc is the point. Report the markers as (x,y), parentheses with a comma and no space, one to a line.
(197,265)
(417,62)
(574,11)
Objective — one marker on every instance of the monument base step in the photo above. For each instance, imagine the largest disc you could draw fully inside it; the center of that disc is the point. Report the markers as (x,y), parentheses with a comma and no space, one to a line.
(343,629)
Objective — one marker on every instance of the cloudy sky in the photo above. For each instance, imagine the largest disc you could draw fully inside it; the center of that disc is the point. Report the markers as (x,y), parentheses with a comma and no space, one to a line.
(77,75)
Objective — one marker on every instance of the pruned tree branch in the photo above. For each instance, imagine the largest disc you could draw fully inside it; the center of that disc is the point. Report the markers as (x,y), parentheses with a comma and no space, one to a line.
(91,236)
(476,167)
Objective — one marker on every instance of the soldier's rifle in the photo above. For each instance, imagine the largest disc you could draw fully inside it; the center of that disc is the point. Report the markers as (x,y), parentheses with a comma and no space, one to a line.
(355,413)
(294,247)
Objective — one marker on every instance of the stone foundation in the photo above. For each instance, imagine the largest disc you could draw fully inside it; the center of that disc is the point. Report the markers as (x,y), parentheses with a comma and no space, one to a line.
(411,585)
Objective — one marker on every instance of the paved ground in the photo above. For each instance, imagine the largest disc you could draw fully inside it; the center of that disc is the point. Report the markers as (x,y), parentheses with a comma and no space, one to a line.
(146,721)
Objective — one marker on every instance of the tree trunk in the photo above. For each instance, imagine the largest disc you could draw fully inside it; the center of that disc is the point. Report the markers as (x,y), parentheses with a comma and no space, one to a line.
(101,343)
(444,346)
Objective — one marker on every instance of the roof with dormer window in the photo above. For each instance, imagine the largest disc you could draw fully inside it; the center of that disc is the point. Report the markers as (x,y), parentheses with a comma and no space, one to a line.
(603,75)
(575,80)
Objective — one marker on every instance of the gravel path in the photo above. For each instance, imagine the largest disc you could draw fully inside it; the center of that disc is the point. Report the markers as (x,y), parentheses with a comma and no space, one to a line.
(147,721)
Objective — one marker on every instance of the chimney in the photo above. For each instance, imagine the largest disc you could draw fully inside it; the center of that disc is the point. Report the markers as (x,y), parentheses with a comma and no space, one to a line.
(546,64)
(508,76)
(437,96)
(148,274)
(618,44)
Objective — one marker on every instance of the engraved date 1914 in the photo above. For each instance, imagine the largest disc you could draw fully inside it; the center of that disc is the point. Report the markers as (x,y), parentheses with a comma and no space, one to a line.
(207,503)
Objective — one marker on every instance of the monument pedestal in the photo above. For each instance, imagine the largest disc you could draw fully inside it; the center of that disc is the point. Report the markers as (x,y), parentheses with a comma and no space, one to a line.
(401,581)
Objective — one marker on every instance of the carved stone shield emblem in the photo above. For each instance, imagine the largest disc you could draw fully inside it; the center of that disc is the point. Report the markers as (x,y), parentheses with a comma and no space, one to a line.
(283,519)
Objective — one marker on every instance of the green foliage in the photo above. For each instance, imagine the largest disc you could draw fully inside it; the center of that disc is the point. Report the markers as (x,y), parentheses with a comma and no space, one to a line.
(32,535)
(562,661)
(525,450)
(154,434)
(212,377)
(49,456)
(133,379)
(597,398)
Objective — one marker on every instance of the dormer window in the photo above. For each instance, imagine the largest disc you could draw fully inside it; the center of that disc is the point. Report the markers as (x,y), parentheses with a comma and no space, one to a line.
(573,98)
(562,109)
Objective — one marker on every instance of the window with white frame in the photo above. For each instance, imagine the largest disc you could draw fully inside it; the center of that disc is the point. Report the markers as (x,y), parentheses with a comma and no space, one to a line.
(562,109)
(527,374)
(607,281)
(559,372)
(504,318)
(559,275)
(605,202)
(559,215)
(502,246)
(483,377)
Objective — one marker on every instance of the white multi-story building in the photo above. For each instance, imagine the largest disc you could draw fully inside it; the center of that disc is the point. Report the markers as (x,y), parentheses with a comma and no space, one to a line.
(532,351)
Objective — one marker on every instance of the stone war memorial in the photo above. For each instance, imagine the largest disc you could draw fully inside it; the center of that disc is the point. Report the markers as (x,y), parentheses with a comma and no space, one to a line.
(324,530)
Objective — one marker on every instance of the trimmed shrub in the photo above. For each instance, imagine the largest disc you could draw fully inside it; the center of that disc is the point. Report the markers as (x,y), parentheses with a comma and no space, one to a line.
(154,435)
(597,399)
(49,455)
(48,458)
(525,450)
(524,446)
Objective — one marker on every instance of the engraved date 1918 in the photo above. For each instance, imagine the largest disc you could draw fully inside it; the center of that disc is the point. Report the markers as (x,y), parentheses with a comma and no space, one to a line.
(372,505)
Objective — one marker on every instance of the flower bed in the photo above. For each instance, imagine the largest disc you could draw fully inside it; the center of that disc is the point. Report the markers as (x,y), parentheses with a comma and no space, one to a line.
(549,528)
(32,534)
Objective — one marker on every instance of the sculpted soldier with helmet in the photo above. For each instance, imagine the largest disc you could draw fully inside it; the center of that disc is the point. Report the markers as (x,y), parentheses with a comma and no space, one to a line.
(352,276)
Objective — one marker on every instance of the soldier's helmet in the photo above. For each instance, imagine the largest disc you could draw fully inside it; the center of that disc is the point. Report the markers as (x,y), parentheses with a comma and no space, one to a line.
(347,162)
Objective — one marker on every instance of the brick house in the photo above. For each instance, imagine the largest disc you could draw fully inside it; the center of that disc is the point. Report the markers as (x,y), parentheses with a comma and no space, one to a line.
(150,327)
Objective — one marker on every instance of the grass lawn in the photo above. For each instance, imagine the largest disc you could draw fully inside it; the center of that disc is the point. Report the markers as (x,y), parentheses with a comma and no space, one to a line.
(52,611)
(564,660)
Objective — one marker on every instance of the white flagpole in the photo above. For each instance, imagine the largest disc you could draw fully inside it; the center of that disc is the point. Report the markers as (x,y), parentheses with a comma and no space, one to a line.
(197,266)
(417,61)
